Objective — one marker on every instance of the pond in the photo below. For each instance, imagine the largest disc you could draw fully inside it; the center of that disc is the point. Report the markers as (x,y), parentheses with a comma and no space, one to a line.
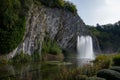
(38,71)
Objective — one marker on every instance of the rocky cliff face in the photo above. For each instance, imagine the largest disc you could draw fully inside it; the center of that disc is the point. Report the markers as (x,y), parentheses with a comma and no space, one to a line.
(61,25)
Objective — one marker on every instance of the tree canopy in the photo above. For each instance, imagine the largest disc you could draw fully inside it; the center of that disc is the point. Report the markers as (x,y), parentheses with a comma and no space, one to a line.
(108,36)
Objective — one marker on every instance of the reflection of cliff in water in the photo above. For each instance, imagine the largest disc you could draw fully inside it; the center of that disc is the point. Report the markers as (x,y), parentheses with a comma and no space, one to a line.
(34,71)
(38,71)
(20,72)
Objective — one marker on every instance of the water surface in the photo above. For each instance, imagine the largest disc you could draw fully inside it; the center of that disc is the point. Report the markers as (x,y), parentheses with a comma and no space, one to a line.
(38,71)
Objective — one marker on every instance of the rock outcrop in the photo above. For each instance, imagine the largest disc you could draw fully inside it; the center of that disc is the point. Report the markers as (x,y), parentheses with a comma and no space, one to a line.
(109,74)
(60,24)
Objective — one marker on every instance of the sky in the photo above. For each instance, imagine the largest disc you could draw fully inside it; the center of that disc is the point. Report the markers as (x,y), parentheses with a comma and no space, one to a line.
(98,11)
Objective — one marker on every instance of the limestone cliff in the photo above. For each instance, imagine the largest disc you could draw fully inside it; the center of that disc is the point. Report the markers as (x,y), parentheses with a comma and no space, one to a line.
(60,24)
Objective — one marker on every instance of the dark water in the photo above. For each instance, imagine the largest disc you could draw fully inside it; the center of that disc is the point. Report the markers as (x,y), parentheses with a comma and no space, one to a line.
(38,71)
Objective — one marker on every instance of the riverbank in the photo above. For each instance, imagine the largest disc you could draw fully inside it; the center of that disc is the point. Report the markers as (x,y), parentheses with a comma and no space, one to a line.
(59,70)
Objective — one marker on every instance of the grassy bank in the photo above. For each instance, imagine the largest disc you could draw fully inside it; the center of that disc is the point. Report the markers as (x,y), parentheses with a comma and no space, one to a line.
(89,72)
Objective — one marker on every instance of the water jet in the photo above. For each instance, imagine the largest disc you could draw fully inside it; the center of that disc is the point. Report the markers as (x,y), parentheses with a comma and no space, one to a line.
(85,48)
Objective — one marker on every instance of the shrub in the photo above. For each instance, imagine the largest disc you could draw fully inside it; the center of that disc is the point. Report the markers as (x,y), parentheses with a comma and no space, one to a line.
(104,64)
(55,49)
(70,75)
(53,3)
(36,57)
(12,23)
(116,60)
(81,73)
(60,4)
(103,61)
(100,58)
(3,60)
(21,58)
(109,74)
(70,6)
(88,70)
(46,45)
(50,46)
(46,2)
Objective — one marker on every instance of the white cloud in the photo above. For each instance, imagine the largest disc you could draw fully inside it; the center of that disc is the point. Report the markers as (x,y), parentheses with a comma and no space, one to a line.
(109,13)
(112,2)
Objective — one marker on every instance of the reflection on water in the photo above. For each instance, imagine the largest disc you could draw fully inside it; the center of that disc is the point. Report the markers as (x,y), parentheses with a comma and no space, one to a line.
(79,62)
(84,61)
(37,71)
(20,72)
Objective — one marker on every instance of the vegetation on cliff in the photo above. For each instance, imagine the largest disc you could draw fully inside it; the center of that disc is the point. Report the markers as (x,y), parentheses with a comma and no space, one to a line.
(12,24)
(50,46)
(108,36)
(60,4)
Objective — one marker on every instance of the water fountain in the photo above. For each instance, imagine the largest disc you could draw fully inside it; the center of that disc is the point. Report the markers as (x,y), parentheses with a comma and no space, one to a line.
(85,48)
